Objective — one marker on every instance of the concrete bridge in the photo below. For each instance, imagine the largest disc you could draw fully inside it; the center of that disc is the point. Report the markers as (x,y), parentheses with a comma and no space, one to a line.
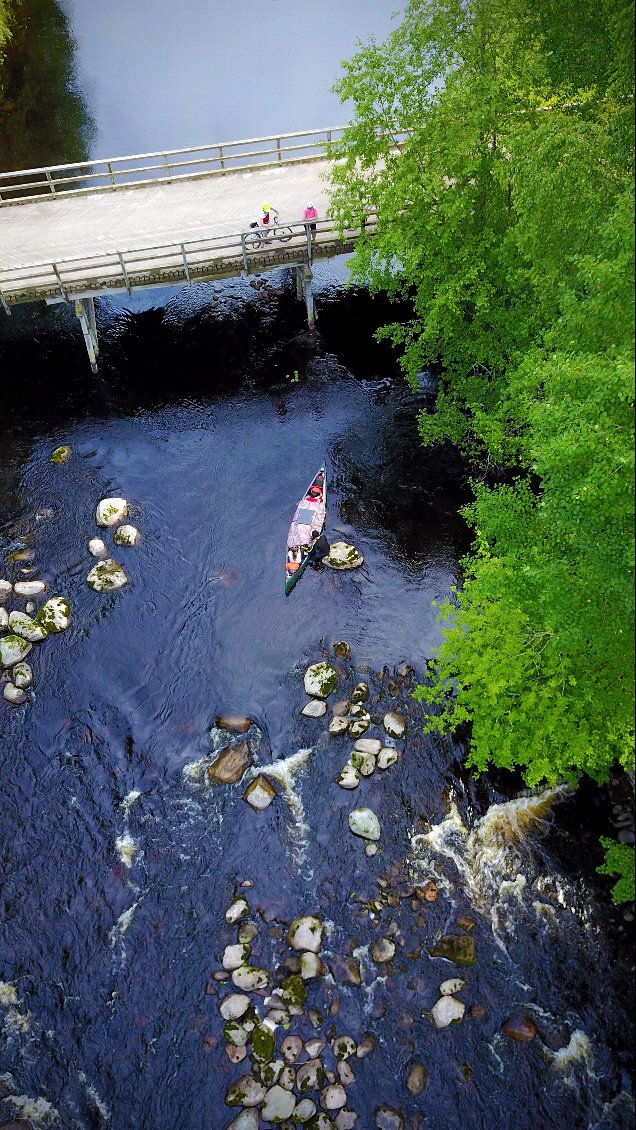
(69,233)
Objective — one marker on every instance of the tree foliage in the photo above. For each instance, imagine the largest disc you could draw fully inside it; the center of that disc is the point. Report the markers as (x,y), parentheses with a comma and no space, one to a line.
(619,860)
(495,142)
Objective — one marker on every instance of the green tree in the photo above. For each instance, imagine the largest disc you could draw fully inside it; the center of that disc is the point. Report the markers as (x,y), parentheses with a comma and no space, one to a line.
(495,143)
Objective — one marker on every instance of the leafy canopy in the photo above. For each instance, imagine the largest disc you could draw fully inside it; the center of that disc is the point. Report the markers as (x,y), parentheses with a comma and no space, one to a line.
(495,143)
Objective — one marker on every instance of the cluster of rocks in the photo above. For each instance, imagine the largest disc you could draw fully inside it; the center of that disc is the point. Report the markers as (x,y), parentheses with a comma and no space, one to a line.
(24,630)
(231,762)
(292,1081)
(108,574)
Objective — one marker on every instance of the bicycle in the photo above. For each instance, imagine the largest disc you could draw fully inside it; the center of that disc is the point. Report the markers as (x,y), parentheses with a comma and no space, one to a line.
(259,235)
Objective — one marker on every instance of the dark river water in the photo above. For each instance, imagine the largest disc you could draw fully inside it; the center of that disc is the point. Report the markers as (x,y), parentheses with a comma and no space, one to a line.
(211,413)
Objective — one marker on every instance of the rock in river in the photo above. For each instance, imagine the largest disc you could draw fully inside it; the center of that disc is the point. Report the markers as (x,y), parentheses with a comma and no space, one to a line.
(278,1104)
(14,694)
(259,794)
(246,1120)
(97,548)
(447,1011)
(55,614)
(5,589)
(23,625)
(320,680)
(126,535)
(343,556)
(62,454)
(234,723)
(395,724)
(305,934)
(315,708)
(110,511)
(29,588)
(519,1027)
(13,649)
(247,1091)
(364,822)
(455,947)
(231,764)
(22,675)
(106,575)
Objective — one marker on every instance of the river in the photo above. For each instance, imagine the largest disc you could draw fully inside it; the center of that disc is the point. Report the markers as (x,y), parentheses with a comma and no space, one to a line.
(211,413)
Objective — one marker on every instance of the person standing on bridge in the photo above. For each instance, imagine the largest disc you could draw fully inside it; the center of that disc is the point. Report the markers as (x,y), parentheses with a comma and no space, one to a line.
(311,215)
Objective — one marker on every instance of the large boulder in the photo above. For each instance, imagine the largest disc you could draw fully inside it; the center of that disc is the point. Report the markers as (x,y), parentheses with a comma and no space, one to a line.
(343,556)
(111,511)
(106,575)
(231,764)
(54,614)
(320,680)
(13,649)
(23,625)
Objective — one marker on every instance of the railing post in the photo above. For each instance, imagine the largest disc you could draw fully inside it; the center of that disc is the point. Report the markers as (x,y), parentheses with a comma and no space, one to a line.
(185,263)
(50,180)
(166,163)
(85,310)
(124,271)
(308,237)
(60,283)
(5,306)
(244,250)
(110,169)
(279,155)
(221,157)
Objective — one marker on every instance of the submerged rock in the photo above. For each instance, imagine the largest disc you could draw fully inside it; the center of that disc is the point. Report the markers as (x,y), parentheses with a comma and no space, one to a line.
(343,556)
(61,454)
(310,966)
(55,614)
(259,794)
(233,722)
(342,650)
(387,1118)
(416,1079)
(364,822)
(455,947)
(230,765)
(345,970)
(320,680)
(107,575)
(383,950)
(13,649)
(110,511)
(519,1027)
(315,708)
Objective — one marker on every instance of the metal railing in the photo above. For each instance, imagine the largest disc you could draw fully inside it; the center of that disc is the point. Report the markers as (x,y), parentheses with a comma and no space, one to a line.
(110,173)
(188,261)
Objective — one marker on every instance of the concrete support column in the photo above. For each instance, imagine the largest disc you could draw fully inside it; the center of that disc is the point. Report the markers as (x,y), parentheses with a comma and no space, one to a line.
(309,297)
(85,310)
(299,283)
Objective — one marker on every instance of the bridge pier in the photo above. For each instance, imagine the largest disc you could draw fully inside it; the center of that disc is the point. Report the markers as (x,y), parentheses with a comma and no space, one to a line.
(85,310)
(304,275)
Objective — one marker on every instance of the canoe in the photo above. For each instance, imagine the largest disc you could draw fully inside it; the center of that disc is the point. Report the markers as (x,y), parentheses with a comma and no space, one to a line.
(309,518)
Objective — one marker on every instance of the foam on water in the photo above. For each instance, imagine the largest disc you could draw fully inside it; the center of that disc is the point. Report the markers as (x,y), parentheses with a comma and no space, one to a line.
(126,849)
(579,1050)
(285,772)
(36,1110)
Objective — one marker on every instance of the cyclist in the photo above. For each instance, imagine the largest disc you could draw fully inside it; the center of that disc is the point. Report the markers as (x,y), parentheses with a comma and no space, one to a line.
(267,218)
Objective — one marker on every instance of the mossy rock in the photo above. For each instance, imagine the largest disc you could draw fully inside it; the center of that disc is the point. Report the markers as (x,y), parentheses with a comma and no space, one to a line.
(293,990)
(62,454)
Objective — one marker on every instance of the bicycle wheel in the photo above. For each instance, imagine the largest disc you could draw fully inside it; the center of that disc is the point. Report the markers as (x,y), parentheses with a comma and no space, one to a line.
(284,234)
(253,241)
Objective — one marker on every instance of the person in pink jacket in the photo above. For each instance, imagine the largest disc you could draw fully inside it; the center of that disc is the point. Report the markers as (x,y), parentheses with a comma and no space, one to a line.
(311,214)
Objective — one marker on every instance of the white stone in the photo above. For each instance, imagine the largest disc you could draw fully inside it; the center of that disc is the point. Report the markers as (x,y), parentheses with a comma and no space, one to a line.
(348,777)
(291,1048)
(339,724)
(29,588)
(29,607)
(270,1072)
(447,1011)
(249,978)
(304,1111)
(320,680)
(346,1120)
(315,708)
(235,956)
(24,626)
(394,724)
(288,1078)
(310,966)
(363,762)
(55,614)
(278,1104)
(246,1091)
(383,950)
(371,850)
(343,556)
(126,535)
(358,726)
(234,1006)
(5,589)
(333,1097)
(386,757)
(107,575)
(259,794)
(305,934)
(343,1047)
(453,985)
(346,1073)
(314,1047)
(368,745)
(4,617)
(13,649)
(97,548)
(364,822)
(111,511)
(236,909)
(246,1120)
(22,675)
(14,694)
